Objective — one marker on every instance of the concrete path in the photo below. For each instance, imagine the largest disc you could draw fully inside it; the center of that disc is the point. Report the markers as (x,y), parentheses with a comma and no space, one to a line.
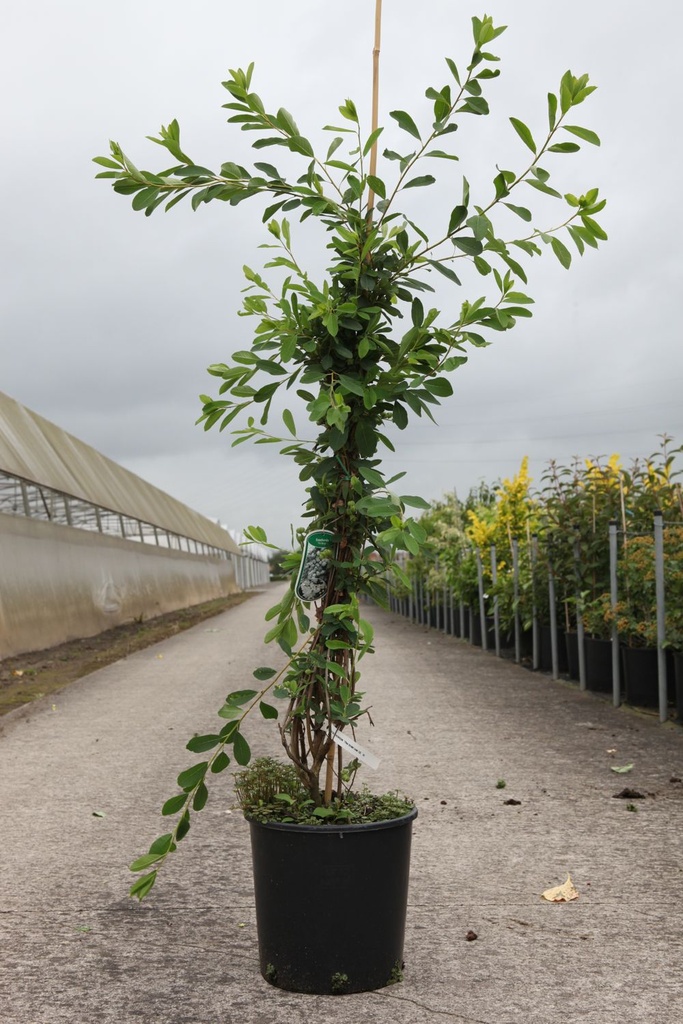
(450,722)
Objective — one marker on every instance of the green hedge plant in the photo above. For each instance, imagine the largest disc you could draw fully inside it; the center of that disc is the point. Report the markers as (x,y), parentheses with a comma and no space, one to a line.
(355,349)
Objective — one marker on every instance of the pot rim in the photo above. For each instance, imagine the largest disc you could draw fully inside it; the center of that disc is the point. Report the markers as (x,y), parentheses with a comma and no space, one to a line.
(369,826)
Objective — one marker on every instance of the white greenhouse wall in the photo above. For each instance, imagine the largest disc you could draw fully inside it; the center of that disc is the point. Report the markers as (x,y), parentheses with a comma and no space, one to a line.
(59,583)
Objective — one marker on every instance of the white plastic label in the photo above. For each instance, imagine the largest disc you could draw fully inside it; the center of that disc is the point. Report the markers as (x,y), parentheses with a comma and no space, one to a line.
(351,747)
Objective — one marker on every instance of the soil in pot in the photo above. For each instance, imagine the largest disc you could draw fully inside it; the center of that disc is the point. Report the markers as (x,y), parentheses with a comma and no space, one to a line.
(331,903)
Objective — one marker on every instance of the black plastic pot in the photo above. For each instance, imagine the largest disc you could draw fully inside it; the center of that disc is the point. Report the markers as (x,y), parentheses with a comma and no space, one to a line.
(475,619)
(677,659)
(598,664)
(641,681)
(331,903)
(641,676)
(546,651)
(571,639)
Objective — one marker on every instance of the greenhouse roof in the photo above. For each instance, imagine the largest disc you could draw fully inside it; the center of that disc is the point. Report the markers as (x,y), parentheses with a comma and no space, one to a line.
(37,450)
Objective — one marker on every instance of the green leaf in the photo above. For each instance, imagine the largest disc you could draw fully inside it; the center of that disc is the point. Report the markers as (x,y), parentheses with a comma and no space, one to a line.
(239,697)
(419,182)
(583,133)
(351,385)
(443,269)
(144,862)
(441,155)
(594,227)
(406,122)
(241,750)
(262,674)
(175,804)
(231,711)
(142,886)
(621,769)
(470,246)
(199,744)
(163,844)
(191,776)
(524,133)
(183,826)
(367,631)
(288,421)
(521,211)
(552,110)
(200,797)
(410,544)
(267,710)
(439,386)
(366,438)
(220,763)
(414,501)
(104,161)
(540,186)
(458,217)
(562,252)
(371,140)
(377,186)
(564,147)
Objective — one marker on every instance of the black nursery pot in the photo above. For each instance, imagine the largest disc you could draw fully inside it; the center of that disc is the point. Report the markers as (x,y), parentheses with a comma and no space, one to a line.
(331,903)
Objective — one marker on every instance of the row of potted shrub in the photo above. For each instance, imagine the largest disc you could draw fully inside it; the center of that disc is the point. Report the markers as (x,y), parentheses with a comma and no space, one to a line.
(522,547)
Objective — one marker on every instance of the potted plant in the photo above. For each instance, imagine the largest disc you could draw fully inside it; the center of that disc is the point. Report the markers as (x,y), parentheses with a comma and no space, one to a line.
(362,352)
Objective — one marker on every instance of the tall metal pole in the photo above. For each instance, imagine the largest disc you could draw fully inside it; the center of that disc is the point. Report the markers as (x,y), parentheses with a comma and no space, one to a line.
(515,577)
(580,636)
(534,612)
(614,596)
(661,615)
(496,611)
(482,606)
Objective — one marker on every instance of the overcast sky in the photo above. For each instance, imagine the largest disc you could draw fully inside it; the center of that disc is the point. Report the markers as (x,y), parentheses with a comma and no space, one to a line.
(109,319)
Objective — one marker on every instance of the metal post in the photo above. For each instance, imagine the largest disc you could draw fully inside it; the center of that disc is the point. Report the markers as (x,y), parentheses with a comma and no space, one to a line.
(515,585)
(614,596)
(661,615)
(553,619)
(482,606)
(496,612)
(580,635)
(534,615)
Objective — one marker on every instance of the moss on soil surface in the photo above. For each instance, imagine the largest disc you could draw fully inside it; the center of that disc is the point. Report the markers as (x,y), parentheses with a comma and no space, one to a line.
(28,677)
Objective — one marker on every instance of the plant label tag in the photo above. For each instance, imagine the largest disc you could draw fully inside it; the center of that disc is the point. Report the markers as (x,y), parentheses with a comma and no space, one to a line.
(351,747)
(314,571)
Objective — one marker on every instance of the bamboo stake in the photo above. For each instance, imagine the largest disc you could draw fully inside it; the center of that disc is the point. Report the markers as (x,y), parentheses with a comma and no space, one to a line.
(375,99)
(329,776)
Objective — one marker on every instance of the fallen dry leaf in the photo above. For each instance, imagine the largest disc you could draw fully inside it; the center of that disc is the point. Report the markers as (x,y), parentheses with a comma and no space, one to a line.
(561,893)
